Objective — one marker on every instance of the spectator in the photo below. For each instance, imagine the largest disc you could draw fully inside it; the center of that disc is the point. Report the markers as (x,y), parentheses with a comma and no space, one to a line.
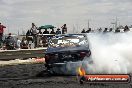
(100,30)
(46,32)
(34,34)
(33,29)
(28,33)
(30,44)
(110,30)
(117,30)
(83,31)
(89,30)
(40,32)
(18,43)
(40,42)
(1,32)
(52,32)
(126,29)
(45,41)
(64,29)
(10,42)
(105,30)
(24,44)
(58,31)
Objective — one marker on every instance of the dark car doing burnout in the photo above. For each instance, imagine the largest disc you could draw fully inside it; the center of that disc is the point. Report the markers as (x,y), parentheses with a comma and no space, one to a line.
(65,51)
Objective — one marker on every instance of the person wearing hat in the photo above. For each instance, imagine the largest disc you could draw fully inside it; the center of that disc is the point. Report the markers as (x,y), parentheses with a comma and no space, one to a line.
(58,31)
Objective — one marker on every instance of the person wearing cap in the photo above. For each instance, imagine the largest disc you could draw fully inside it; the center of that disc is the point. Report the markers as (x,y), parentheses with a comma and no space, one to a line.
(58,31)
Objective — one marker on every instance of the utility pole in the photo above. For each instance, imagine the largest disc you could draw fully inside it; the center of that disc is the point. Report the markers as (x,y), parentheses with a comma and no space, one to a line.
(73,28)
(88,24)
(8,29)
(77,27)
(18,33)
(115,23)
(23,32)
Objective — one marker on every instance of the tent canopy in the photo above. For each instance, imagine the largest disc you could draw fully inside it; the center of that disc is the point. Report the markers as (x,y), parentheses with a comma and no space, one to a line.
(46,27)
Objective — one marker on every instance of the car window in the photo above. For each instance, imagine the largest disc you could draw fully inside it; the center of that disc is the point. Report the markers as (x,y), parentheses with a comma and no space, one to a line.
(68,41)
(62,41)
(73,40)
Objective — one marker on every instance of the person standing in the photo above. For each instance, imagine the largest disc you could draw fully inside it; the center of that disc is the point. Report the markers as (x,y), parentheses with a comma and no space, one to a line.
(18,43)
(1,32)
(126,29)
(110,30)
(58,31)
(64,29)
(34,34)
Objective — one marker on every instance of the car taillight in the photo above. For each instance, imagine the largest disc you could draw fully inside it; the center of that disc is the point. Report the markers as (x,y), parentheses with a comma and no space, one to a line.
(83,54)
(46,57)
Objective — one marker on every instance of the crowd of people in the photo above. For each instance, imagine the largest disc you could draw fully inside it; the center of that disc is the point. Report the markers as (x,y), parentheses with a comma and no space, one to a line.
(35,32)
(34,29)
(117,30)
(31,37)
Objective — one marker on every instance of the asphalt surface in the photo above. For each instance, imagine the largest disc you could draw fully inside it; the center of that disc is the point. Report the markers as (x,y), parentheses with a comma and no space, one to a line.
(24,76)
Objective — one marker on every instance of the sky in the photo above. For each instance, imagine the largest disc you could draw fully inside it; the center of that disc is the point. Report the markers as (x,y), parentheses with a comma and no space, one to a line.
(17,15)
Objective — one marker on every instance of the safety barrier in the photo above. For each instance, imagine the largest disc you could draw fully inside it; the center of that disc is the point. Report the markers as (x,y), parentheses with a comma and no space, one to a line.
(21,54)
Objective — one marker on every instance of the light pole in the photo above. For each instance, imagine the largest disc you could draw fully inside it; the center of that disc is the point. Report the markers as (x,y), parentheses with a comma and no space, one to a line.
(115,23)
(89,23)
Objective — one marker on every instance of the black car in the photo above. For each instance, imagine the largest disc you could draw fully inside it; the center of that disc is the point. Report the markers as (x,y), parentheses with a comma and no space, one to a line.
(66,52)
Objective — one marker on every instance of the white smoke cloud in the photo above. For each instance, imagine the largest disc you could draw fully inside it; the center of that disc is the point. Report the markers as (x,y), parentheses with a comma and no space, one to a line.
(111,53)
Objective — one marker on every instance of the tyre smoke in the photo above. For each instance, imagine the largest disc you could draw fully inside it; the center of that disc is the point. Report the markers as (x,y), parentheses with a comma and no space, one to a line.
(111,53)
